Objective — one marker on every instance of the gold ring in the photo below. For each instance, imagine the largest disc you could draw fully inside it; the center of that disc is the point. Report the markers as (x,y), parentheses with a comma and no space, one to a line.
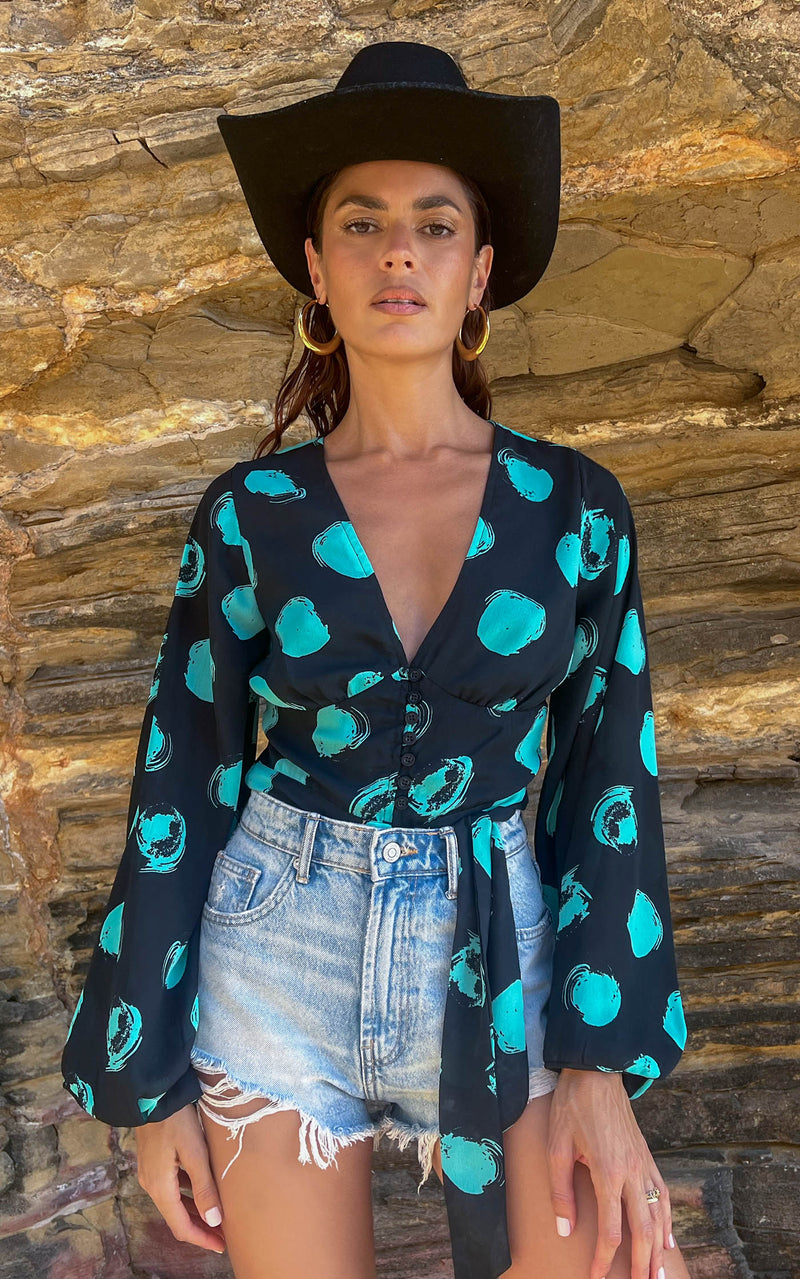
(653,1196)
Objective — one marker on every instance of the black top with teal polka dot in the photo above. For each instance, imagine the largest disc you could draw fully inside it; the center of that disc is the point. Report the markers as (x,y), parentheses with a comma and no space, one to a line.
(277,612)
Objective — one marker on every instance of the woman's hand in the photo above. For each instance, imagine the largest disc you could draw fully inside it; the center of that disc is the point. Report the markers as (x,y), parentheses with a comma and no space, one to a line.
(592,1122)
(166,1148)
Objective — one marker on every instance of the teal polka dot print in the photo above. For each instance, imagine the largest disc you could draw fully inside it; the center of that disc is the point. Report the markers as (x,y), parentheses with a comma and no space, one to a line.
(536,664)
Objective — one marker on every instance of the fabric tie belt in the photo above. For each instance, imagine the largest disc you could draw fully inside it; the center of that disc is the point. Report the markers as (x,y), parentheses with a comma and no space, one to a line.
(483,1086)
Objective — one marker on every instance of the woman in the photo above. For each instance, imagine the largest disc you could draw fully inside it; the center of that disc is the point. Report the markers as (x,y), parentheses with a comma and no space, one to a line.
(353,928)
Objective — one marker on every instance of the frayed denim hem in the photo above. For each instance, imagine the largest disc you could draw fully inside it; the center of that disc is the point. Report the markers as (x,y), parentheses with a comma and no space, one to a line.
(317,1142)
(404,1133)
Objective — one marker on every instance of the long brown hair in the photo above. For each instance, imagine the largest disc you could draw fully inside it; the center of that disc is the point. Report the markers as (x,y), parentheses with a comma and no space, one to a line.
(319,385)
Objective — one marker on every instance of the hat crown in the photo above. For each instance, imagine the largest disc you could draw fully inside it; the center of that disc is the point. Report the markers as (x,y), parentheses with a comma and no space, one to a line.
(401,61)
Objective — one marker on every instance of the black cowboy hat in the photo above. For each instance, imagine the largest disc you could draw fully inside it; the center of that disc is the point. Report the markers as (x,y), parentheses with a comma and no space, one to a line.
(400,100)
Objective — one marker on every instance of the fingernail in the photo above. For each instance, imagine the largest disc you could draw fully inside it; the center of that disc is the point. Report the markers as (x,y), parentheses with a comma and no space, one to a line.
(562,1225)
(661,1274)
(671,1241)
(213,1217)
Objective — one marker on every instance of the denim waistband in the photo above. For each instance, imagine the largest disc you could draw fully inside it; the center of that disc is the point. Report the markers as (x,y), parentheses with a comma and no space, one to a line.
(378,851)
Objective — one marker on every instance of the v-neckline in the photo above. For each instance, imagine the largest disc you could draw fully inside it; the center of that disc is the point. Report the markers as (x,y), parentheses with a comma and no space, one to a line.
(438,621)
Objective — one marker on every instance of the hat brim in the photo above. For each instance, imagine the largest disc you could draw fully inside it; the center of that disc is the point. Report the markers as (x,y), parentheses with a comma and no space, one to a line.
(508,144)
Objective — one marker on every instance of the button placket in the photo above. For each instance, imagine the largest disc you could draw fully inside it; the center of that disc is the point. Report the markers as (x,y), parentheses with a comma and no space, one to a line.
(412,674)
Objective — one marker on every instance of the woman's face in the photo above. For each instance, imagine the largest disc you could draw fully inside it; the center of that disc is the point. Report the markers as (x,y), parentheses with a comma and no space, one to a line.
(395,224)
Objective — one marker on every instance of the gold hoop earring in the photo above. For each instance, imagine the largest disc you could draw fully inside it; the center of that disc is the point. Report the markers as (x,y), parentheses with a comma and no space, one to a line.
(320,348)
(472,353)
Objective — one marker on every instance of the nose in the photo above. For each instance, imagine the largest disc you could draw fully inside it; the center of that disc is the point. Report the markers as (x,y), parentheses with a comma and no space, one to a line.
(399,245)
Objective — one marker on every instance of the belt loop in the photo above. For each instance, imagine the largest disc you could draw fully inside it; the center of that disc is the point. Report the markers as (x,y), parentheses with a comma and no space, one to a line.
(451,841)
(304,860)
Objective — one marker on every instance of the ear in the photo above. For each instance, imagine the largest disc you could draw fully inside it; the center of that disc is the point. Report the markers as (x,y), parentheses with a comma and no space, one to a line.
(483,265)
(314,268)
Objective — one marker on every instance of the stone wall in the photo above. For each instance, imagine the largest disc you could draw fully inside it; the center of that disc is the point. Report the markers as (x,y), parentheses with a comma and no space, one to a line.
(144,335)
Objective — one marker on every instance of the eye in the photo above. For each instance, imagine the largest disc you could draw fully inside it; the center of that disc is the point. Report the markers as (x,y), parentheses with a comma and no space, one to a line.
(442,225)
(357,222)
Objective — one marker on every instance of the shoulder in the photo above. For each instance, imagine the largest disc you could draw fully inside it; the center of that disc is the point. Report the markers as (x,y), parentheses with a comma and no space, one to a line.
(276,476)
(570,468)
(601,486)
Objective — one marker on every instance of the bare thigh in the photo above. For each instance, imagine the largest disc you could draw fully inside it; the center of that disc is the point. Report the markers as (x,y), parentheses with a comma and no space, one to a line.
(282,1218)
(537,1250)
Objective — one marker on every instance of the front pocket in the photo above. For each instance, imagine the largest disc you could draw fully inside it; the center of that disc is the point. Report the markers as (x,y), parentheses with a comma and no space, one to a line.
(242,891)
(531,916)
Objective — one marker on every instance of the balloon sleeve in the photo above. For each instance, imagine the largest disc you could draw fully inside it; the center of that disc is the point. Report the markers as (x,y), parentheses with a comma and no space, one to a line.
(126,1056)
(615,1004)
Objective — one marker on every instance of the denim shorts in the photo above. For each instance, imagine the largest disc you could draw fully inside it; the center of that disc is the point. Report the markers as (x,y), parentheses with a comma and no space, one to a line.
(324,962)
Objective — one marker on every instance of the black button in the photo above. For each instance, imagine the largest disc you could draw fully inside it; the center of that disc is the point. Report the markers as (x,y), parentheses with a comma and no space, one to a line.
(401,802)
(408,737)
(414,696)
(407,758)
(414,673)
(404,782)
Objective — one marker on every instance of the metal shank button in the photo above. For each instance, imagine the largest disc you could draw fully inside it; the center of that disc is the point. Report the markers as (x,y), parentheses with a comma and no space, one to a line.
(391,852)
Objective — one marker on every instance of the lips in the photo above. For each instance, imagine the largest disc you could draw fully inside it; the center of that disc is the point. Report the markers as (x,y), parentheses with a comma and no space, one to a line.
(401,307)
(401,294)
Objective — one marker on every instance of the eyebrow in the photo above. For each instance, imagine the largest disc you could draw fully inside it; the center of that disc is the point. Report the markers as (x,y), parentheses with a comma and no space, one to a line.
(374,202)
